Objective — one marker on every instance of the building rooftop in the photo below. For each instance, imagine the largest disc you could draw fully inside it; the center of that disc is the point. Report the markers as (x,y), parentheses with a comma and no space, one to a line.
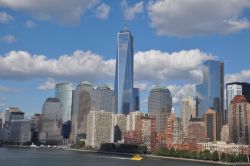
(239,99)
(52,99)
(103,86)
(86,83)
(160,88)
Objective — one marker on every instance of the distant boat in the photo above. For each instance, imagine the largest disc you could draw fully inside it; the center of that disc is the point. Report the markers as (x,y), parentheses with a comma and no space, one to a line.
(34,146)
(137,157)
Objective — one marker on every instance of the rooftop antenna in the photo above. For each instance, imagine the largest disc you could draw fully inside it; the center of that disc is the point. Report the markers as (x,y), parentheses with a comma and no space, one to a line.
(125,27)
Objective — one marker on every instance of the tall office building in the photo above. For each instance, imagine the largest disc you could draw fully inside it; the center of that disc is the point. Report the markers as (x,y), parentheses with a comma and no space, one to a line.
(239,120)
(63,91)
(85,99)
(233,89)
(51,121)
(82,106)
(210,94)
(124,74)
(20,131)
(187,111)
(160,105)
(102,98)
(210,122)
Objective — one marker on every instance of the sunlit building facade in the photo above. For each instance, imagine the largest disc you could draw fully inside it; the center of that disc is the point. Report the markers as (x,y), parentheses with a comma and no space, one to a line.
(63,91)
(210,94)
(124,74)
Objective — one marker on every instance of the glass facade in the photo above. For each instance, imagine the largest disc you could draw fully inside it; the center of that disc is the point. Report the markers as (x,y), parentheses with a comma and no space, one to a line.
(63,91)
(210,94)
(124,73)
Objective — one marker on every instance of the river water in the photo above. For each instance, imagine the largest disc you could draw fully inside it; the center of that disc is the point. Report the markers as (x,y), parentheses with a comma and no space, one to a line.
(50,157)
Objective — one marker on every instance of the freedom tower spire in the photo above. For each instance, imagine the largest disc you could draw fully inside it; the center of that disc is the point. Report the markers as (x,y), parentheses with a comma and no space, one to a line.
(124,73)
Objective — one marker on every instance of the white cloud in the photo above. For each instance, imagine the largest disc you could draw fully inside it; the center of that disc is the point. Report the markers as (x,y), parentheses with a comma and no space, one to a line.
(198,17)
(158,66)
(243,76)
(102,11)
(129,12)
(30,24)
(66,11)
(180,91)
(5,18)
(150,66)
(48,85)
(8,39)
(79,66)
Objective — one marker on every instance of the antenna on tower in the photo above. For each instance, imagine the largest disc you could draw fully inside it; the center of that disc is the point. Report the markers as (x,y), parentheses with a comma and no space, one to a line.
(125,27)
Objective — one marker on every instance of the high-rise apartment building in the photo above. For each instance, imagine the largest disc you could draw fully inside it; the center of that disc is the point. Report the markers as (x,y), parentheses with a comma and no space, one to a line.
(63,91)
(187,111)
(233,89)
(99,128)
(239,120)
(124,73)
(20,131)
(210,94)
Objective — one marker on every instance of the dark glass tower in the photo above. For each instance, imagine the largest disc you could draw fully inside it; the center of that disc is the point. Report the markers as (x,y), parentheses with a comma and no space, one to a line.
(210,94)
(124,74)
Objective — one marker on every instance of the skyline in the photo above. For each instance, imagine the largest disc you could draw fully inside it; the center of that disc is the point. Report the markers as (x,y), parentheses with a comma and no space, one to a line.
(158,48)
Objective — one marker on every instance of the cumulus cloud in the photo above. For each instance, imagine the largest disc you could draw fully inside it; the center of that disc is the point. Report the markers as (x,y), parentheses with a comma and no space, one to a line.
(198,17)
(102,11)
(180,91)
(129,12)
(48,85)
(160,66)
(79,66)
(30,24)
(243,76)
(66,11)
(5,17)
(152,66)
(8,39)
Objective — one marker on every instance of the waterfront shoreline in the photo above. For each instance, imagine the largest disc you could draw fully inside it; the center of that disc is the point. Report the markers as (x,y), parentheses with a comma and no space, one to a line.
(131,154)
(161,157)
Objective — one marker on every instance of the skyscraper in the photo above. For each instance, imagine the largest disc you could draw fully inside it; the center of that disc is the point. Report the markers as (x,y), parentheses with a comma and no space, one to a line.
(211,92)
(233,89)
(239,120)
(124,74)
(63,91)
(187,111)
(159,105)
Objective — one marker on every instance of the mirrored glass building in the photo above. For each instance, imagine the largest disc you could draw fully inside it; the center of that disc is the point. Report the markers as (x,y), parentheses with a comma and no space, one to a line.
(124,73)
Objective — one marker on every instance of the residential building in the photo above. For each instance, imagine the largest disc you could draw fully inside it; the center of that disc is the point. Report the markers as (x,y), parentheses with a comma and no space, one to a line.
(99,128)
(225,133)
(233,89)
(239,120)
(119,121)
(196,131)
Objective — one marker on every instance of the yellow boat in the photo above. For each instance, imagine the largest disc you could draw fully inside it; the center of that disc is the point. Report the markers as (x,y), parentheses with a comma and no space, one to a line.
(137,157)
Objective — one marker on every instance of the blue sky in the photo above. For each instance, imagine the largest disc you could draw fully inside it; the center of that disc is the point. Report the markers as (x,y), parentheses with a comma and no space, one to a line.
(50,41)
